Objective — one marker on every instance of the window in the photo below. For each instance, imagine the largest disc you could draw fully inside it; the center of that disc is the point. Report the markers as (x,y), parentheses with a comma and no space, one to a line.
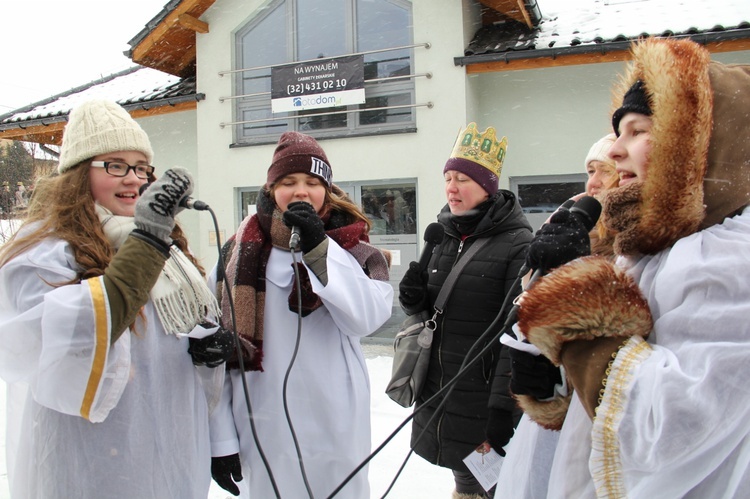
(286,31)
(539,196)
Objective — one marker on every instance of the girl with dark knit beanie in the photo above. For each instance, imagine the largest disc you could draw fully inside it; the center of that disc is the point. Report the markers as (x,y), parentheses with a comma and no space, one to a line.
(324,396)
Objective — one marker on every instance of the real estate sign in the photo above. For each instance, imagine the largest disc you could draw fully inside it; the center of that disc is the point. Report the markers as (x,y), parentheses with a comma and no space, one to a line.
(323,83)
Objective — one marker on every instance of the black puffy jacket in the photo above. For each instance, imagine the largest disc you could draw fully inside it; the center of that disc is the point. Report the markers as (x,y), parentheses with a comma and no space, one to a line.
(459,426)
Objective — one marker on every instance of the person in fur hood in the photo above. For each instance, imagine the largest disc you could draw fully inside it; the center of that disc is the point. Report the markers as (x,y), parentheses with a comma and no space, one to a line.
(655,346)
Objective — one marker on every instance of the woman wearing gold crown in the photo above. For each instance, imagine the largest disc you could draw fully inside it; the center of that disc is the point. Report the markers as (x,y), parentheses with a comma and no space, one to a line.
(476,209)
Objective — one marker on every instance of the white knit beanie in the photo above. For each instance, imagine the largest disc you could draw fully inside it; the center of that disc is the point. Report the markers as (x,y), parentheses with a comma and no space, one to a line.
(99,127)
(599,150)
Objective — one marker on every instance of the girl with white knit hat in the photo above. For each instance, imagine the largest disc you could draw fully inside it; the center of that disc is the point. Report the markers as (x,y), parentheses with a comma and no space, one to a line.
(97,289)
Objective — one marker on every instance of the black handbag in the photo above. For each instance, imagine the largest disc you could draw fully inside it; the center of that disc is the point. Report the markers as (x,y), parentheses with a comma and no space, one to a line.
(411,348)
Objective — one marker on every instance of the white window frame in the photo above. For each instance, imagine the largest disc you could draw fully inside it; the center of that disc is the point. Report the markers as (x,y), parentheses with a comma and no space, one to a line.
(262,103)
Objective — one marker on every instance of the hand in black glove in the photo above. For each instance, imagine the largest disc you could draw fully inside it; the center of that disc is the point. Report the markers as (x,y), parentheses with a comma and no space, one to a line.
(156,208)
(212,350)
(532,374)
(560,241)
(500,428)
(303,216)
(226,470)
(413,286)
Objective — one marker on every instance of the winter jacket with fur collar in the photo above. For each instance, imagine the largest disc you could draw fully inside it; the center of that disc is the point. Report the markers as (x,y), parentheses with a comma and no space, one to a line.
(656,346)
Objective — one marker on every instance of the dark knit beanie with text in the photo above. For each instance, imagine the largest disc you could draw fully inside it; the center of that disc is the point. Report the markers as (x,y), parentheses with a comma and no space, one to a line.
(299,153)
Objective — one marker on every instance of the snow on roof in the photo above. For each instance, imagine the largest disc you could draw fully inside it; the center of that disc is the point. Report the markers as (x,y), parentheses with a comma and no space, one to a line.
(588,20)
(569,23)
(137,85)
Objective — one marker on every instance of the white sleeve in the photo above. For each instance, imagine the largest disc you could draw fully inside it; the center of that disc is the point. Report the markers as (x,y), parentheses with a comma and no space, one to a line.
(57,338)
(675,410)
(224,439)
(359,305)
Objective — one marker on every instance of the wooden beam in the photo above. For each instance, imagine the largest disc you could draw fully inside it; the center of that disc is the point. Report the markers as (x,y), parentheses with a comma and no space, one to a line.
(172,19)
(578,59)
(526,16)
(41,134)
(189,22)
(158,111)
(546,62)
(728,46)
(52,134)
(515,9)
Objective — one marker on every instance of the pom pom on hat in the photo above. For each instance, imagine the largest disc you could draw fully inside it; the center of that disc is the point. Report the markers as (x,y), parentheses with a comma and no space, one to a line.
(599,150)
(99,127)
(299,153)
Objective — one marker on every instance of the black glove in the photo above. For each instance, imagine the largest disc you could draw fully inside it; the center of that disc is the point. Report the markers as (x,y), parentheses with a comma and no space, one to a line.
(500,428)
(156,208)
(532,374)
(212,350)
(560,241)
(302,215)
(226,470)
(413,286)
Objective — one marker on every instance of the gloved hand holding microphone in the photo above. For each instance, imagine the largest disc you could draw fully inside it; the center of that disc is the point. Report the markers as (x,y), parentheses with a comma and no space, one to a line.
(159,204)
(301,216)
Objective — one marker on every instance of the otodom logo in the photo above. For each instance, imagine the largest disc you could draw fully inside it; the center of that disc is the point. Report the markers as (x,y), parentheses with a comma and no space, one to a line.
(316,100)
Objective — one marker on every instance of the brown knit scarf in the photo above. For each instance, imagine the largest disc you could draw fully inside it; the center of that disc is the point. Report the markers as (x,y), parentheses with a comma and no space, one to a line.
(246,256)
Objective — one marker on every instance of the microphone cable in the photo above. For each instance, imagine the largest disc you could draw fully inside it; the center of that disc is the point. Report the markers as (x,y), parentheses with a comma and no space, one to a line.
(587,208)
(447,389)
(238,349)
(461,371)
(289,370)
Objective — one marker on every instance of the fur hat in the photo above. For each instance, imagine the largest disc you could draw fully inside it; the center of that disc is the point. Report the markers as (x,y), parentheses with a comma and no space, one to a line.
(598,151)
(299,153)
(635,101)
(699,164)
(99,127)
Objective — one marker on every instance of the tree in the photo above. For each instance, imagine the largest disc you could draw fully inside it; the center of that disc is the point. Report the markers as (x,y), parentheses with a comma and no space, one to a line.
(16,164)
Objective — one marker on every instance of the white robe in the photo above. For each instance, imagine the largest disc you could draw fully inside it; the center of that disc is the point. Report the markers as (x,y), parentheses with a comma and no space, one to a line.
(87,418)
(328,392)
(675,417)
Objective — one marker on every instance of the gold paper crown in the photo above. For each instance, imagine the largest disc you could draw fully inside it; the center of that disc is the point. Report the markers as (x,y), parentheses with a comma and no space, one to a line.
(481,148)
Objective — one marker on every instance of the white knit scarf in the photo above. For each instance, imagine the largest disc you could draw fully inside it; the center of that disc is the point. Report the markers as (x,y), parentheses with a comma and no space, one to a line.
(180,295)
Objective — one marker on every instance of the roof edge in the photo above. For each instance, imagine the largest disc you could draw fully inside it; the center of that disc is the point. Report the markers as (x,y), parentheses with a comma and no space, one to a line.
(596,48)
(130,107)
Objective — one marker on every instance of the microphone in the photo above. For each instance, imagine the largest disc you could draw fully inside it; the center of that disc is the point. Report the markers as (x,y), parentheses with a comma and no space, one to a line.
(587,211)
(186,202)
(433,235)
(294,238)
(193,204)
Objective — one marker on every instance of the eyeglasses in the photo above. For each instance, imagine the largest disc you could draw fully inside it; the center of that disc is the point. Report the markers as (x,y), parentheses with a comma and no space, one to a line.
(117,169)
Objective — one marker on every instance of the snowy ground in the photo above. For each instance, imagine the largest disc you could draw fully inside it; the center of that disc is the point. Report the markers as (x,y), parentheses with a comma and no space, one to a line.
(418,480)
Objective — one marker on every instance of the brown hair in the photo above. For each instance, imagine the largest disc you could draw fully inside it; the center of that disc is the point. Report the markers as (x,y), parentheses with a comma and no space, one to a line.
(62,207)
(335,200)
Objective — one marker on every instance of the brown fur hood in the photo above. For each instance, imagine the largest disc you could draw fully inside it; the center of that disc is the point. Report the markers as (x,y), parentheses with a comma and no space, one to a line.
(699,166)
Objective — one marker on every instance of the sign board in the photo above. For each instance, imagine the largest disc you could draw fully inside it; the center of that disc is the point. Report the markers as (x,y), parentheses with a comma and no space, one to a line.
(335,82)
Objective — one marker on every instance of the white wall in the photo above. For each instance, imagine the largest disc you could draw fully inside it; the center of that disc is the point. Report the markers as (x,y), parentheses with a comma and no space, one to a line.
(173,139)
(421,155)
(551,116)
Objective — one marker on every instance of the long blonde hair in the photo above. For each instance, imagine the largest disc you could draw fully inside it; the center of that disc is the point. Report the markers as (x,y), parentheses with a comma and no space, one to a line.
(62,207)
